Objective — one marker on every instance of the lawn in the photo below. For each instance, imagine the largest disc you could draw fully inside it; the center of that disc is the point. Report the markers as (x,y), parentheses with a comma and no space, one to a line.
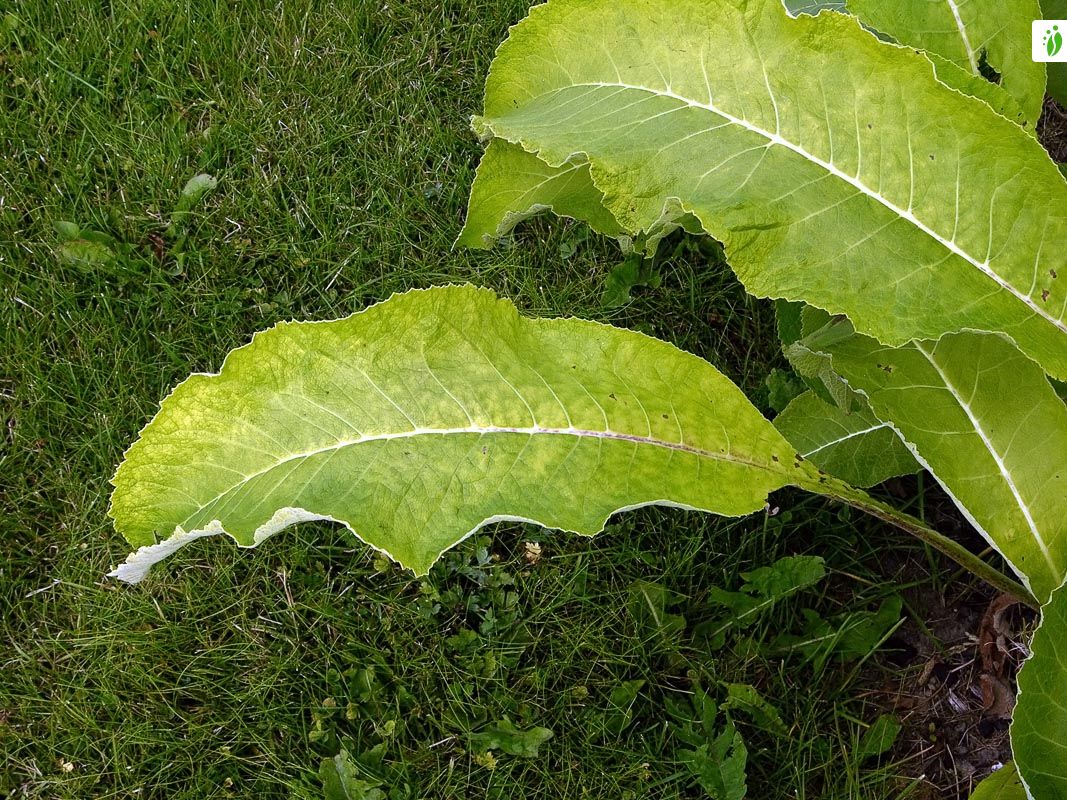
(339,137)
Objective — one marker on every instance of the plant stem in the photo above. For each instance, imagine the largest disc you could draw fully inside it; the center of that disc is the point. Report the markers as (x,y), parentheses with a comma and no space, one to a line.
(916,527)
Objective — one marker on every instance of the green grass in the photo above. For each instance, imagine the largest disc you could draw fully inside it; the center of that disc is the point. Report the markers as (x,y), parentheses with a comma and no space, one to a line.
(339,138)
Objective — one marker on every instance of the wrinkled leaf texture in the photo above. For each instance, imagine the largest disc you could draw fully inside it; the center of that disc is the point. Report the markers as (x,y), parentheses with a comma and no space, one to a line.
(835,168)
(422,418)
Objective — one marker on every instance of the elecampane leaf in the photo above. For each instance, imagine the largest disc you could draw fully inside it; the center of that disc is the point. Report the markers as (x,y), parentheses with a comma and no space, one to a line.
(835,168)
(987,423)
(783,387)
(423,418)
(790,321)
(512,185)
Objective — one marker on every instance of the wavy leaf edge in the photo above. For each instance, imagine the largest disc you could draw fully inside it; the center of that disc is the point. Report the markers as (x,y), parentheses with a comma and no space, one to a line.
(138,563)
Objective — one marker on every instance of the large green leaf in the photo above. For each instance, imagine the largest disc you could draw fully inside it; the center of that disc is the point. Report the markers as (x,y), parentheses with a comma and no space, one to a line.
(427,416)
(835,168)
(1039,728)
(988,424)
(967,32)
(856,447)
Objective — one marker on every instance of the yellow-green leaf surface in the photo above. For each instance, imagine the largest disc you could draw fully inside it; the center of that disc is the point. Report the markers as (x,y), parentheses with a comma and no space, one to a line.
(968,32)
(987,423)
(834,167)
(958,75)
(1004,784)
(809,357)
(1039,727)
(426,416)
(856,447)
(513,185)
(992,94)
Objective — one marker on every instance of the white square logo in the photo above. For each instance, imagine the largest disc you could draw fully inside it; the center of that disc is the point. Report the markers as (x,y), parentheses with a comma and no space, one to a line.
(1048,40)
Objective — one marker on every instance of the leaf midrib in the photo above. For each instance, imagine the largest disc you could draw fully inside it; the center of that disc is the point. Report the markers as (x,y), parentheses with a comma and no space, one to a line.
(845,438)
(997,457)
(648,440)
(854,181)
(963,35)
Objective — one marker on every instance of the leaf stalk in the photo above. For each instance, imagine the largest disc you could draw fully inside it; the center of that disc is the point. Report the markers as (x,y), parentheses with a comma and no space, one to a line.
(953,549)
